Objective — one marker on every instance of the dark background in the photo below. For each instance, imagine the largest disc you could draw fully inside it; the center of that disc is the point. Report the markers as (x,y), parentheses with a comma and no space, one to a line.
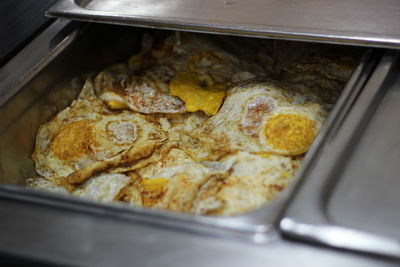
(20,21)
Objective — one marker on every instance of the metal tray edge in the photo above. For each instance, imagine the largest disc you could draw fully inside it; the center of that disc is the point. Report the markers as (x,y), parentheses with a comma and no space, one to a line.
(68,9)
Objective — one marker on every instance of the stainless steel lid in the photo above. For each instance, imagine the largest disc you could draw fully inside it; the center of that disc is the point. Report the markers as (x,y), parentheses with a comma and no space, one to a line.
(355,22)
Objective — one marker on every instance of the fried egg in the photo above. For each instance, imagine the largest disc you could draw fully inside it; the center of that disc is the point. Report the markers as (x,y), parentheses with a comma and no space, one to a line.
(182,180)
(322,75)
(198,92)
(43,184)
(250,181)
(236,183)
(83,139)
(266,117)
(202,84)
(180,74)
(148,93)
(102,187)
(169,180)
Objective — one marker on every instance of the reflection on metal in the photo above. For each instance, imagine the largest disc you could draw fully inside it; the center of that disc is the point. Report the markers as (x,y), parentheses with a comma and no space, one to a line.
(342,237)
(366,23)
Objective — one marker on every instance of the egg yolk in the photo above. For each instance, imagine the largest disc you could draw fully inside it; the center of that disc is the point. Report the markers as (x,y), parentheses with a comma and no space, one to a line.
(265,155)
(198,91)
(153,190)
(290,132)
(136,60)
(114,104)
(113,100)
(73,140)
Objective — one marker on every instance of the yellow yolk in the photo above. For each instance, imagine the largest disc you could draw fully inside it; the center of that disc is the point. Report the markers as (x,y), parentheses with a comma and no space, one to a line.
(73,140)
(290,132)
(115,104)
(199,92)
(113,100)
(153,190)
(265,155)
(136,60)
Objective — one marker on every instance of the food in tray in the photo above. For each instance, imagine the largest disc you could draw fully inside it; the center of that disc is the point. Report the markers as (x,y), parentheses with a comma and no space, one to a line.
(191,125)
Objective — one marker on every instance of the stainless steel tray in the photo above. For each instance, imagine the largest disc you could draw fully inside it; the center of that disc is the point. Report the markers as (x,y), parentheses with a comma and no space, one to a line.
(66,231)
(350,198)
(29,97)
(366,23)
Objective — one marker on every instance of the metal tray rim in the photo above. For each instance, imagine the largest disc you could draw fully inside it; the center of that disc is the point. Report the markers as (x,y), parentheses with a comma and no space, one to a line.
(70,9)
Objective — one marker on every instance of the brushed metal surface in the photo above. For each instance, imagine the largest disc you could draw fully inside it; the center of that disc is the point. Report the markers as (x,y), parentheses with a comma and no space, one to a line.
(70,238)
(367,196)
(356,22)
(350,198)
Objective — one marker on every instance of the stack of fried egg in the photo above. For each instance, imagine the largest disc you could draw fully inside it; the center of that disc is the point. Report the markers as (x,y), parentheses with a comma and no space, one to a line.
(189,126)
